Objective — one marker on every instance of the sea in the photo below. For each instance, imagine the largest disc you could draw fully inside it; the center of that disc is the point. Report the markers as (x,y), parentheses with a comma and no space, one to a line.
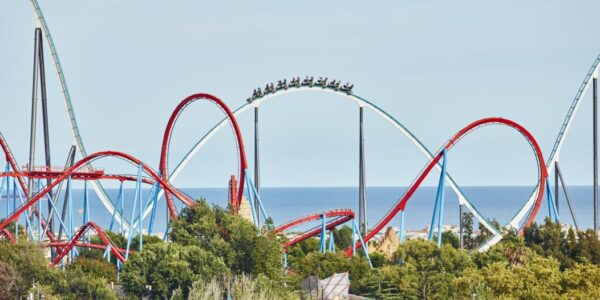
(283,204)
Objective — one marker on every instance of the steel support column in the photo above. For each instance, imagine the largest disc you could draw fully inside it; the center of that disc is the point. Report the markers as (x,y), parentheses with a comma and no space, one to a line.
(70,162)
(34,94)
(461,227)
(256,166)
(556,190)
(564,188)
(362,197)
(595,149)
(45,120)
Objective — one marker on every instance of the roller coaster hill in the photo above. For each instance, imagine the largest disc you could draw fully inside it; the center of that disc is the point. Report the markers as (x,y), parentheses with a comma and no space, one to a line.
(40,197)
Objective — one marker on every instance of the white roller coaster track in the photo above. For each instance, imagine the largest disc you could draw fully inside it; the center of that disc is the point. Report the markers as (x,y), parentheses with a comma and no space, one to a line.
(71,113)
(562,133)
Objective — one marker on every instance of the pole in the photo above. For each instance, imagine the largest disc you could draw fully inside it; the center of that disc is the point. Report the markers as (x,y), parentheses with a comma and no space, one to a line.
(441,187)
(117,204)
(256,166)
(461,227)
(141,209)
(45,119)
(322,248)
(54,209)
(564,188)
(70,162)
(354,232)
(556,190)
(595,139)
(362,199)
(34,93)
(70,229)
(86,208)
(401,226)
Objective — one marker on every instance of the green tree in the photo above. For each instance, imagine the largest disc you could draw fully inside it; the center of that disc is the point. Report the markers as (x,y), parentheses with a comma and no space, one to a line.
(117,239)
(510,251)
(146,240)
(378,288)
(484,233)
(94,267)
(9,279)
(469,239)
(79,285)
(582,281)
(588,247)
(549,240)
(238,242)
(389,282)
(25,264)
(299,250)
(449,238)
(432,268)
(168,266)
(46,292)
(538,279)
(23,269)
(267,261)
(326,264)
(377,259)
(342,237)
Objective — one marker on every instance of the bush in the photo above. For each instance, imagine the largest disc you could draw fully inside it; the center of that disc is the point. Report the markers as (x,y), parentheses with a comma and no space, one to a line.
(80,285)
(94,267)
(241,287)
(326,264)
(168,266)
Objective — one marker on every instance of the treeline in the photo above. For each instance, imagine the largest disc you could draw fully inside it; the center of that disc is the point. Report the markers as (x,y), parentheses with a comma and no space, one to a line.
(213,254)
(210,251)
(546,263)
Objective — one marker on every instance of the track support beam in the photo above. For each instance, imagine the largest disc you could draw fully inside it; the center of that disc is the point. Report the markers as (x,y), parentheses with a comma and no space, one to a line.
(556,186)
(461,227)
(564,188)
(595,149)
(256,165)
(42,70)
(34,95)
(362,195)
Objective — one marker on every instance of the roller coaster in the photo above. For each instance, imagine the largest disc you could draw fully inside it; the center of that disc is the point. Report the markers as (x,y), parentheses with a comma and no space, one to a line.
(27,186)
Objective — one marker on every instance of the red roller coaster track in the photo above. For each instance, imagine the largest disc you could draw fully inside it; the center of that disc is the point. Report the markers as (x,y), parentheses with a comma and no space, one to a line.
(315,216)
(75,176)
(181,196)
(85,245)
(167,138)
(83,229)
(13,164)
(340,216)
(401,203)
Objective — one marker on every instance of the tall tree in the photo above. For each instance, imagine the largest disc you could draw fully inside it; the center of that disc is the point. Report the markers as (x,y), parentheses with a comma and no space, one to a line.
(468,237)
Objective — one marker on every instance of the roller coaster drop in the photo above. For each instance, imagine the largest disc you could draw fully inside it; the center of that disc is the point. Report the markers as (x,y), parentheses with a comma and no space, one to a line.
(161,180)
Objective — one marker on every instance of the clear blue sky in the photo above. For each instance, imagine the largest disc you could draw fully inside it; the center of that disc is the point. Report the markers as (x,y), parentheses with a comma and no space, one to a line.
(434,65)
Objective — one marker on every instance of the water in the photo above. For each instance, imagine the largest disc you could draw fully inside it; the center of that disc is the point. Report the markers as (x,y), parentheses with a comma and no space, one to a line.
(284,204)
